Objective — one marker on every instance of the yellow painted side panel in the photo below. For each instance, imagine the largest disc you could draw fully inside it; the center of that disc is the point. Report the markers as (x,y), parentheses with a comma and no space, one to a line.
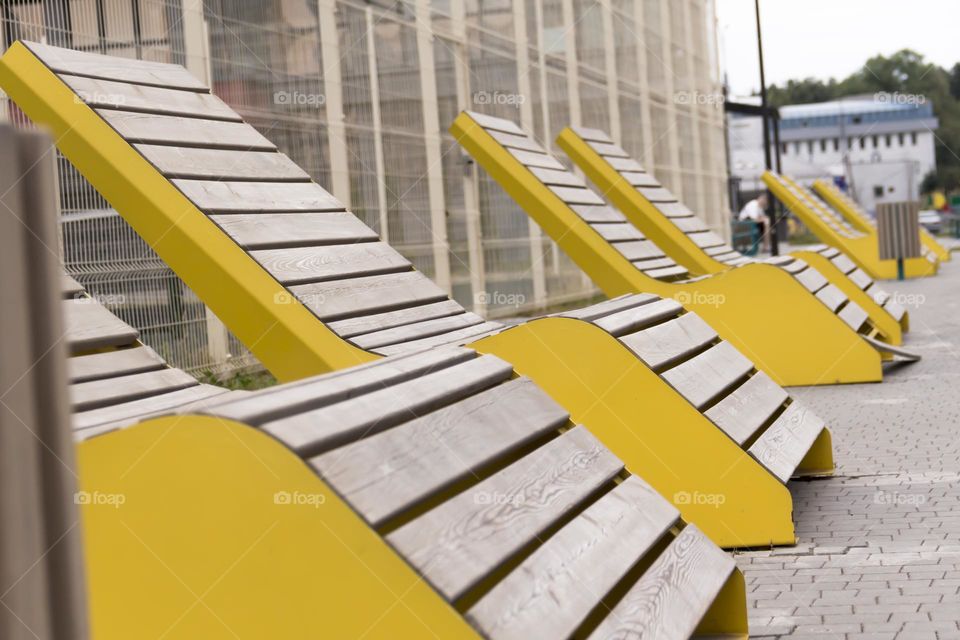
(197,527)
(864,250)
(658,434)
(280,331)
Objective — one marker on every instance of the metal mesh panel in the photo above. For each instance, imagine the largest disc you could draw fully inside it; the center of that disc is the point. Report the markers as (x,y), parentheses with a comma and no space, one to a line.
(266,59)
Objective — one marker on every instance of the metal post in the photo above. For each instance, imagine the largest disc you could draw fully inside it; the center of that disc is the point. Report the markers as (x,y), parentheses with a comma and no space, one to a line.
(774,244)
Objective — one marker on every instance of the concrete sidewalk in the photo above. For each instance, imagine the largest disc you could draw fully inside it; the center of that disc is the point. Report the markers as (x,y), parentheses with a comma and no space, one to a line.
(879,544)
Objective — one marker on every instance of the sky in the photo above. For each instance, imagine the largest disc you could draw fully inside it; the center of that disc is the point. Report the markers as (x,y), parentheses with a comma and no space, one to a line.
(830,38)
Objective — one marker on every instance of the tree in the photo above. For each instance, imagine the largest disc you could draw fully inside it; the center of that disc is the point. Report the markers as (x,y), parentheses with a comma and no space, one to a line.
(904,72)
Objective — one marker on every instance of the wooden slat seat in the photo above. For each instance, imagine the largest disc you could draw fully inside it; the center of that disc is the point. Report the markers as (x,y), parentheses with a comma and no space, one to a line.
(665,344)
(669,600)
(148,128)
(495,496)
(90,326)
(100,393)
(95,366)
(710,374)
(747,409)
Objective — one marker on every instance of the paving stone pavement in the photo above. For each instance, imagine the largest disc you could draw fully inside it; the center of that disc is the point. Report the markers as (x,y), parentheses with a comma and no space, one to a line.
(879,543)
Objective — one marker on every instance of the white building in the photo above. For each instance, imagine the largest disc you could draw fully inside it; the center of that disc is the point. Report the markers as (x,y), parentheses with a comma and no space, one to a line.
(880,145)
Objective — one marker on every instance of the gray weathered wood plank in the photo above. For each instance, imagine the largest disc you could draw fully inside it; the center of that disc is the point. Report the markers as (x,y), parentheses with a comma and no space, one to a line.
(313,393)
(573,195)
(634,319)
(313,432)
(667,343)
(339,299)
(667,273)
(709,374)
(784,444)
(152,128)
(466,538)
(853,314)
(512,141)
(69,287)
(551,593)
(360,325)
(860,278)
(639,179)
(222,197)
(609,307)
(674,209)
(118,415)
(158,74)
(748,408)
(598,213)
(557,178)
(705,239)
(657,194)
(608,149)
(222,164)
(90,326)
(810,278)
(654,263)
(618,231)
(638,250)
(690,224)
(494,123)
(113,363)
(386,474)
(831,296)
(100,393)
(530,159)
(134,97)
(624,164)
(287,230)
(673,595)
(455,337)
(416,331)
(315,264)
(589,134)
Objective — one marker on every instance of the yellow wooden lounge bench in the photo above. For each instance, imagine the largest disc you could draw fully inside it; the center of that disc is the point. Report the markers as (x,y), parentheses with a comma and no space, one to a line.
(832,229)
(430,493)
(858,218)
(310,289)
(686,238)
(796,337)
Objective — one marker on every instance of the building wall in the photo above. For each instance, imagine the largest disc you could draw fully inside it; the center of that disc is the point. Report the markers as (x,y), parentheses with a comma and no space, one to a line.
(361,95)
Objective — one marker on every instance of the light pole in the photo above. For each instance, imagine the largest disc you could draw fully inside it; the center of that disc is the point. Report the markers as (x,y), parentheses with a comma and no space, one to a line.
(774,245)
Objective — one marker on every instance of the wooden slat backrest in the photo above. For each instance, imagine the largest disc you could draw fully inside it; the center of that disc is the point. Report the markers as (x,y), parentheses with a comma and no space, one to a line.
(298,232)
(41,565)
(581,200)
